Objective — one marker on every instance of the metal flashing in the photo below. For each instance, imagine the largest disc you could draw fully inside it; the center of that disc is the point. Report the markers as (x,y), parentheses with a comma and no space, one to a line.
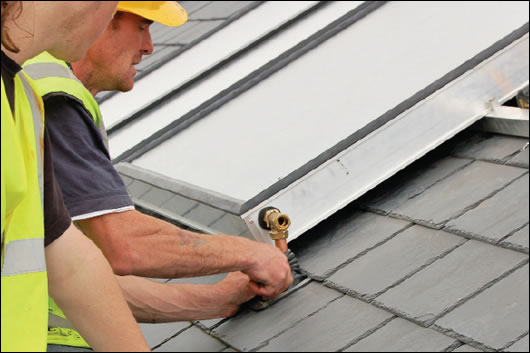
(505,120)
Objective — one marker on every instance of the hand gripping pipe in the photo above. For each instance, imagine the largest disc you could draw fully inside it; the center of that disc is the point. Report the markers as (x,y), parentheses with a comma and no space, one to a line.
(271,219)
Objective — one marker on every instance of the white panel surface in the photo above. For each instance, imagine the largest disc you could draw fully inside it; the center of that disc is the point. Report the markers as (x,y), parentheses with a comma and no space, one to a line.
(156,119)
(326,95)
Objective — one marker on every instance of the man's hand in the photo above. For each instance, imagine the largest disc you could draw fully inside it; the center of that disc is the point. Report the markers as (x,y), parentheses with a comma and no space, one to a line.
(233,291)
(270,273)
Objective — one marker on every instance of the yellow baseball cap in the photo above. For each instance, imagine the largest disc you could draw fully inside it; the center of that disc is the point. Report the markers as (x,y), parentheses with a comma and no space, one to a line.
(168,13)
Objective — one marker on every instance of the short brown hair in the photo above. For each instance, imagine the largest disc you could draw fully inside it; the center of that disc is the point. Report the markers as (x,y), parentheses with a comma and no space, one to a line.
(10,10)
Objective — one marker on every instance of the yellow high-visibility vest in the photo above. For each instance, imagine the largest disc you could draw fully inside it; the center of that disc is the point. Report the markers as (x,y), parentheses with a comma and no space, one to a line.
(53,76)
(24,278)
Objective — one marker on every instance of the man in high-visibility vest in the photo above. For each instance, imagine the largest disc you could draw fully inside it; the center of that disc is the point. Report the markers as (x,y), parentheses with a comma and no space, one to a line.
(134,243)
(41,250)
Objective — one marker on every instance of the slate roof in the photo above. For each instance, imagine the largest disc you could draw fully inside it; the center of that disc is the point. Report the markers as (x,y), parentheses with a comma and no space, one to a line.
(434,259)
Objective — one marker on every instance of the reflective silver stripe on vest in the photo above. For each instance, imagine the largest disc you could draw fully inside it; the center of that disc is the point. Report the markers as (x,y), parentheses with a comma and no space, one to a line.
(42,70)
(57,321)
(27,255)
(37,128)
(39,71)
(24,256)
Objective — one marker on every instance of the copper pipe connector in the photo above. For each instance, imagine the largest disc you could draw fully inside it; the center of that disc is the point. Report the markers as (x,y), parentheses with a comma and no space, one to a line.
(278,223)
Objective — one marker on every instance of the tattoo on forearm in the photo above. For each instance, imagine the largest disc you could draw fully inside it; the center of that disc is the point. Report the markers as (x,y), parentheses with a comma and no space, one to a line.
(194,240)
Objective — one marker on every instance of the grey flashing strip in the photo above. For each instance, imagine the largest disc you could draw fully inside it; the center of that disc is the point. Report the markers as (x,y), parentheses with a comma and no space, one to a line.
(192,192)
(204,75)
(171,218)
(173,54)
(250,81)
(509,121)
(386,117)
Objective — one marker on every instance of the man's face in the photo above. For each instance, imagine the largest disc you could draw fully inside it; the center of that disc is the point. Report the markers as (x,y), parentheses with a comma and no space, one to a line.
(112,57)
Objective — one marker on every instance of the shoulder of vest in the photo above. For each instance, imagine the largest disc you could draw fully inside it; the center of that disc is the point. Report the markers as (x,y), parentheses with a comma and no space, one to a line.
(45,58)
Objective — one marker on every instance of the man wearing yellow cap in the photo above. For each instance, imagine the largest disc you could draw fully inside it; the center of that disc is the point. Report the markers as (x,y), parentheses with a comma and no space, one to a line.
(136,244)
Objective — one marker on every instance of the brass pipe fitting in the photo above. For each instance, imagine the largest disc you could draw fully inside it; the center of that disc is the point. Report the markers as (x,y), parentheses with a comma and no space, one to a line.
(278,224)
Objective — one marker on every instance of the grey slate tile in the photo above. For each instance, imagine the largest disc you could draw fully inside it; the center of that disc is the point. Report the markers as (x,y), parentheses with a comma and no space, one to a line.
(250,329)
(160,53)
(172,35)
(204,215)
(219,9)
(191,31)
(467,348)
(496,148)
(209,324)
(518,240)
(229,349)
(394,261)
(138,188)
(495,317)
(450,198)
(179,205)
(126,180)
(410,183)
(157,196)
(332,328)
(230,224)
(329,245)
(520,159)
(441,286)
(497,216)
(212,279)
(519,346)
(403,336)
(155,334)
(193,6)
(192,340)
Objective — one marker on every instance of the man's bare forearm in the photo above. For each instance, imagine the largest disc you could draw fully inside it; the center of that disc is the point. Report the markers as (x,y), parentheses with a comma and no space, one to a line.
(153,302)
(141,245)
(146,246)
(81,282)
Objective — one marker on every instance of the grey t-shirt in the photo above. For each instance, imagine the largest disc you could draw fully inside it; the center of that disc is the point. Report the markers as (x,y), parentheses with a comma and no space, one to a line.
(90,184)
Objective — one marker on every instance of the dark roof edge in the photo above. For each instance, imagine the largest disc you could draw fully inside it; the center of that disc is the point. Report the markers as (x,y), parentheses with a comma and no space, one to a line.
(250,80)
(203,75)
(386,117)
(208,197)
(170,56)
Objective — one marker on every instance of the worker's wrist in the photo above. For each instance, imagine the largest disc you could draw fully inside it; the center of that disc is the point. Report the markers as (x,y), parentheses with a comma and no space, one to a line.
(247,254)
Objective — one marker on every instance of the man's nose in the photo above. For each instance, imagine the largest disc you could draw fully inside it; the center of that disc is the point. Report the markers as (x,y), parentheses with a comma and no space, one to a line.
(147,47)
